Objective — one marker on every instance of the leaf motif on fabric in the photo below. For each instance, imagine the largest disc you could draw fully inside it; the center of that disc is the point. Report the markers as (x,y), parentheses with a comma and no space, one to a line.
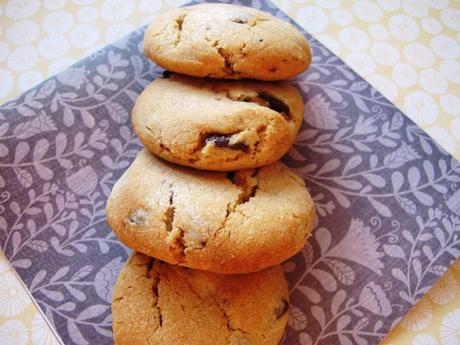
(342,271)
(118,113)
(326,279)
(106,277)
(73,76)
(83,182)
(407,205)
(38,245)
(319,113)
(40,124)
(360,246)
(337,301)
(75,334)
(319,316)
(374,299)
(312,295)
(394,251)
(297,319)
(400,156)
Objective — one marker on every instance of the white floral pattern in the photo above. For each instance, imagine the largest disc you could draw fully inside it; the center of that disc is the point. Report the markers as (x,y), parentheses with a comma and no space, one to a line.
(445,47)
(403,27)
(22,58)
(423,106)
(451,70)
(6,81)
(57,23)
(84,35)
(23,32)
(444,290)
(425,339)
(444,137)
(53,47)
(13,332)
(433,81)
(431,25)
(367,11)
(41,333)
(117,10)
(404,75)
(450,328)
(312,19)
(20,9)
(419,55)
(451,18)
(418,317)
(355,39)
(13,299)
(29,79)
(384,54)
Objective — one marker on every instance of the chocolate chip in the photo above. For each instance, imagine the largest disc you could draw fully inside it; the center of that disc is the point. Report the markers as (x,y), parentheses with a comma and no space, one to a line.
(149,267)
(231,176)
(281,309)
(275,104)
(239,20)
(223,141)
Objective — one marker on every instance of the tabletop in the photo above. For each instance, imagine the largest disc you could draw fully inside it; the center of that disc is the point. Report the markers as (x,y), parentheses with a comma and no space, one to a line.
(408,50)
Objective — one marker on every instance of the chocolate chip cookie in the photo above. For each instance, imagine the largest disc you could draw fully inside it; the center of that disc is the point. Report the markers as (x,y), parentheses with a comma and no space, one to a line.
(157,303)
(233,222)
(226,41)
(216,124)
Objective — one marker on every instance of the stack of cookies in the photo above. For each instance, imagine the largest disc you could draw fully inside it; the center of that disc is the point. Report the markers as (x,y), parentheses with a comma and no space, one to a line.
(207,207)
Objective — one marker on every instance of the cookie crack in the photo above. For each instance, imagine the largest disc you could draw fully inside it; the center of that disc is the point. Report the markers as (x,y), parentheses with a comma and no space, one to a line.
(152,272)
(159,135)
(281,309)
(149,267)
(228,321)
(247,182)
(228,64)
(179,244)
(178,24)
(248,185)
(175,233)
(169,214)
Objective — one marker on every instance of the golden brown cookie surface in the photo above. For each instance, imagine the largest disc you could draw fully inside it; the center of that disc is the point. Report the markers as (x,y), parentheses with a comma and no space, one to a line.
(226,41)
(218,125)
(157,303)
(220,222)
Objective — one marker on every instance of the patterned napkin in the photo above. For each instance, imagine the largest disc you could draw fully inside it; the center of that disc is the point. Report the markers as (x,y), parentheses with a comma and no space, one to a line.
(387,197)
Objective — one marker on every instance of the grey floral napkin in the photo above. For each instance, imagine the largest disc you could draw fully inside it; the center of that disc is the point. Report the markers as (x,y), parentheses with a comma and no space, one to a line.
(387,197)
